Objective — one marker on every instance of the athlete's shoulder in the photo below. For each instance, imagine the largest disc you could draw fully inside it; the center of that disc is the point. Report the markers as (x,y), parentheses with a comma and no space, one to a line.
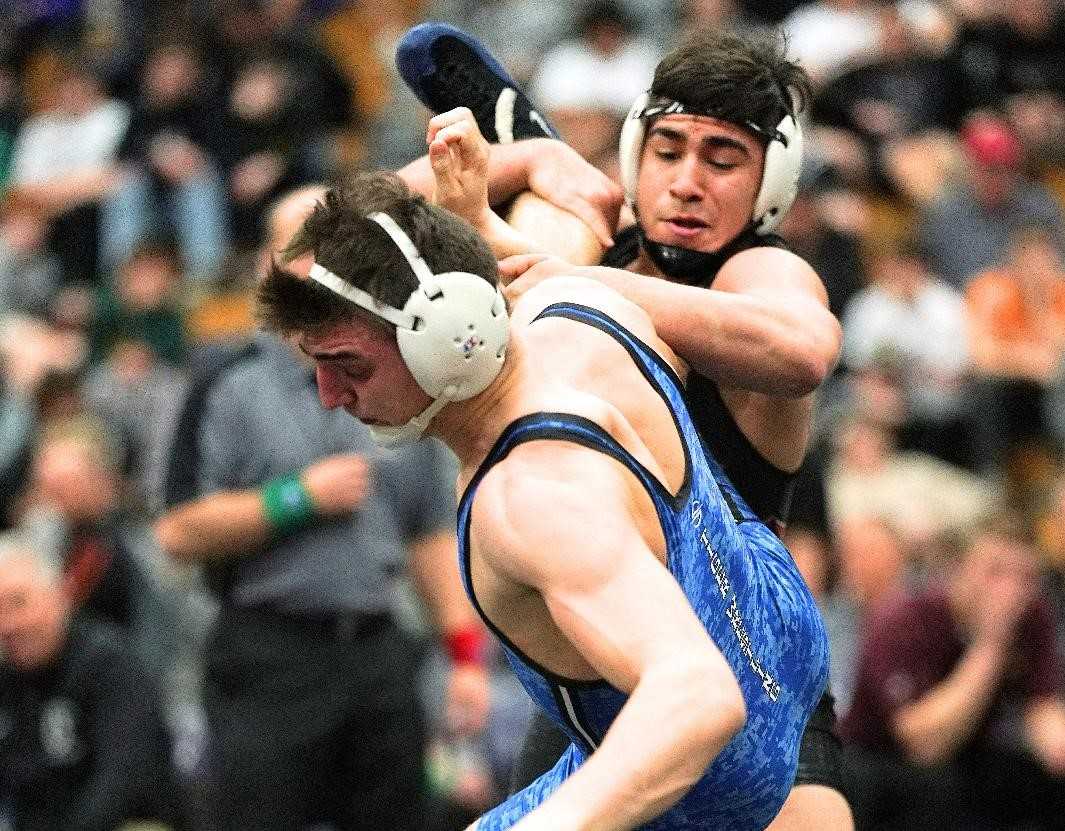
(585,292)
(771,267)
(535,505)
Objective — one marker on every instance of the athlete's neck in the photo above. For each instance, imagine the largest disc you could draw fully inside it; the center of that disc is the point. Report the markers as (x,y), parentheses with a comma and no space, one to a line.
(470,428)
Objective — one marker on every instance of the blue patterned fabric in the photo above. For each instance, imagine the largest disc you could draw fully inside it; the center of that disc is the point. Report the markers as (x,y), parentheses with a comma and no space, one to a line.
(744,587)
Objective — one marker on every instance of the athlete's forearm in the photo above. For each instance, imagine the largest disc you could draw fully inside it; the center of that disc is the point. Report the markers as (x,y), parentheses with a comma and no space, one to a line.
(784,348)
(677,719)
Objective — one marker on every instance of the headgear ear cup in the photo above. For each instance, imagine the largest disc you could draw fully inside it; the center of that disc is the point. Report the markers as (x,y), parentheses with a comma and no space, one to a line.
(780,176)
(452,332)
(457,345)
(630,146)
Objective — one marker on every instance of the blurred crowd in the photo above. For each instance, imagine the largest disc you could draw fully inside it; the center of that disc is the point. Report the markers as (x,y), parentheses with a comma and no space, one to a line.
(143,147)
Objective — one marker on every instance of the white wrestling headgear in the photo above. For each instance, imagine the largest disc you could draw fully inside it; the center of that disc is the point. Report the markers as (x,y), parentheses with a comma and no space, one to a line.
(452,331)
(780,173)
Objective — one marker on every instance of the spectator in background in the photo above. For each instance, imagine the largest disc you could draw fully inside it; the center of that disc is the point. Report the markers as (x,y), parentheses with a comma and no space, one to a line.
(83,743)
(875,565)
(30,274)
(827,36)
(1019,50)
(1015,61)
(967,228)
(171,184)
(586,84)
(264,139)
(902,95)
(915,322)
(824,226)
(138,395)
(142,302)
(958,720)
(318,96)
(111,567)
(1016,316)
(303,526)
(64,163)
(920,496)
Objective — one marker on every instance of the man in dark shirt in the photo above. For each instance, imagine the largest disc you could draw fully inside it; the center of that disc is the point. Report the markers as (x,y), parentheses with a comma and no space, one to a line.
(83,745)
(957,719)
(302,525)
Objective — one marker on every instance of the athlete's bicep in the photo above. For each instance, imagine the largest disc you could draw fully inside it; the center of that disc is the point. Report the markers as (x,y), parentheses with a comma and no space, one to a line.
(568,530)
(771,272)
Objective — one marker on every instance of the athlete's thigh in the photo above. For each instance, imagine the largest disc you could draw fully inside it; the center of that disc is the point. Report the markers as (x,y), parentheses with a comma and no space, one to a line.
(814,808)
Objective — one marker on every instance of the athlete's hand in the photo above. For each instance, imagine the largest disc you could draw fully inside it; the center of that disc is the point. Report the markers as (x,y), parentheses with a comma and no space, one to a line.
(337,484)
(560,175)
(467,699)
(523,271)
(458,155)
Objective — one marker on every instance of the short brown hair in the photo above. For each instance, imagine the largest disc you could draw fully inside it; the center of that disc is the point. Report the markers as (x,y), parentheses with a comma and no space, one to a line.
(736,78)
(357,249)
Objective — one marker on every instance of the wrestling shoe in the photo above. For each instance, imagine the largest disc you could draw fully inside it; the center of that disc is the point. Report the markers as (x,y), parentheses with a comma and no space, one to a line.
(447,68)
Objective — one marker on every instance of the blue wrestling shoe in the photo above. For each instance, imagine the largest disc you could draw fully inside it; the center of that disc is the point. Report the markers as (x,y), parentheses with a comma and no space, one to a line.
(447,68)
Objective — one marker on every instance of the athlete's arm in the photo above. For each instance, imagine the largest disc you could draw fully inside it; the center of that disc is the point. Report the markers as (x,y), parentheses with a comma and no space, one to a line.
(552,170)
(764,326)
(562,520)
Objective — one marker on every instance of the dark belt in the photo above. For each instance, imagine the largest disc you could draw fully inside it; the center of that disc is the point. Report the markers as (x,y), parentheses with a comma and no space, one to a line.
(345,625)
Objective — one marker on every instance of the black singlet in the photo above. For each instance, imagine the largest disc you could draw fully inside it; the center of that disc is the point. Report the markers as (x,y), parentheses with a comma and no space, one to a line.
(766,488)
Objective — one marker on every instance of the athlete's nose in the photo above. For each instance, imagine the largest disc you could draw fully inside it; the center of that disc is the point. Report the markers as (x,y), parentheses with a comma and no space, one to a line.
(331,390)
(687,182)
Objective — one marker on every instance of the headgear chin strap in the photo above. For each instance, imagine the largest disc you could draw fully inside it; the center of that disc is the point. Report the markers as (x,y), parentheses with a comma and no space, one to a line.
(686,265)
(452,332)
(780,171)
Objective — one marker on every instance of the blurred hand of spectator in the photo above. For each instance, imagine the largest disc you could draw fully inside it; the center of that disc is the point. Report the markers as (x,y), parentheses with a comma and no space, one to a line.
(337,484)
(1006,595)
(1045,724)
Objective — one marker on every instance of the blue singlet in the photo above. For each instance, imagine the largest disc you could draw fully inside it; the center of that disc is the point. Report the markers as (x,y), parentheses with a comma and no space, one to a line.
(744,587)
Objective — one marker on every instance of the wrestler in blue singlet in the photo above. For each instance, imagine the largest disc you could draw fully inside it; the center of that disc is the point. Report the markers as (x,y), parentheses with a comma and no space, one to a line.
(744,587)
